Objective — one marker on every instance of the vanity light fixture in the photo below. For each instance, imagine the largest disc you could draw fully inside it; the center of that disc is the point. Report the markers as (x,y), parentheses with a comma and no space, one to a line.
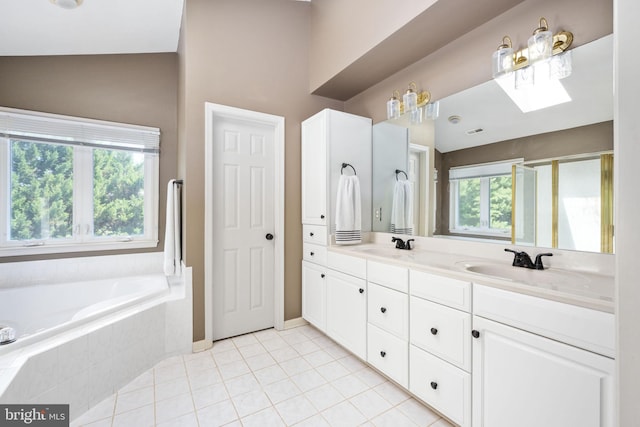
(413,102)
(67,4)
(530,75)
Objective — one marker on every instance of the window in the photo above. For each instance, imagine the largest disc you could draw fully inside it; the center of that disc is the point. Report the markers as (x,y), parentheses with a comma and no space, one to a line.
(74,184)
(480,199)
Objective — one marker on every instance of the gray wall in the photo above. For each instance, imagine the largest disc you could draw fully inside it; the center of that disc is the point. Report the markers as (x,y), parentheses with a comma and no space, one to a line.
(138,89)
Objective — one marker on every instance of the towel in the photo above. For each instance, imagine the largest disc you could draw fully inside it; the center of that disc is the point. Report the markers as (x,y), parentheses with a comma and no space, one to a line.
(172,244)
(348,211)
(402,208)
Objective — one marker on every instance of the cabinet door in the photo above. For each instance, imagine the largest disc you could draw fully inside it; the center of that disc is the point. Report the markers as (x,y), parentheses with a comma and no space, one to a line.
(346,312)
(314,294)
(314,171)
(525,380)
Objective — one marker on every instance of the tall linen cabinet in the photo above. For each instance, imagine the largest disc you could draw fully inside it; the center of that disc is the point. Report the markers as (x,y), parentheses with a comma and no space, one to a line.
(329,139)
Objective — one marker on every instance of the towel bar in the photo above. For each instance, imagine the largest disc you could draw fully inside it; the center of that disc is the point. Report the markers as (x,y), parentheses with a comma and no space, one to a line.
(403,172)
(345,165)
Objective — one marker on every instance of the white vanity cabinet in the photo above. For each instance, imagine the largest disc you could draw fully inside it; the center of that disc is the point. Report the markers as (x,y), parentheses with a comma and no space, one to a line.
(330,138)
(440,344)
(388,319)
(524,372)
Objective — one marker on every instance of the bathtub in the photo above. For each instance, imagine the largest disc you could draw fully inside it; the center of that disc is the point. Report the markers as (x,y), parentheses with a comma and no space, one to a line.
(39,311)
(80,341)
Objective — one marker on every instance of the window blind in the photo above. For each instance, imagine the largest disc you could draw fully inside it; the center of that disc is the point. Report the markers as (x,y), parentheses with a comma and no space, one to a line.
(53,128)
(482,170)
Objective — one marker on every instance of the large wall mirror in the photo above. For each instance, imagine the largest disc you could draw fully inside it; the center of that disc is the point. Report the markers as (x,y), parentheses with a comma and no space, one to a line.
(486,170)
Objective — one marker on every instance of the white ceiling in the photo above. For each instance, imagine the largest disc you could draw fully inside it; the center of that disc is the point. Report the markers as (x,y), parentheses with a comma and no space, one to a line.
(488,107)
(38,27)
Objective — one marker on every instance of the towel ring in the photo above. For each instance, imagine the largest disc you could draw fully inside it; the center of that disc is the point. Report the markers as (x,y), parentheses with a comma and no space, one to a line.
(345,165)
(403,172)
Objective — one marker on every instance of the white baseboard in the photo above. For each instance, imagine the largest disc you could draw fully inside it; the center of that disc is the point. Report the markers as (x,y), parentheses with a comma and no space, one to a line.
(294,323)
(202,345)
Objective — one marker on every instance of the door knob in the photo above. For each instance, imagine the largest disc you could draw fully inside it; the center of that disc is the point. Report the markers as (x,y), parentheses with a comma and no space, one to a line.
(434,385)
(383,353)
(434,331)
(269,236)
(311,234)
(321,216)
(476,334)
(383,309)
(361,290)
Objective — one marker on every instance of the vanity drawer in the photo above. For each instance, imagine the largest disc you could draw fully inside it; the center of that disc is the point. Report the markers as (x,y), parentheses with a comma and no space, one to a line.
(347,264)
(314,253)
(389,310)
(391,276)
(314,234)
(441,330)
(389,354)
(444,290)
(441,385)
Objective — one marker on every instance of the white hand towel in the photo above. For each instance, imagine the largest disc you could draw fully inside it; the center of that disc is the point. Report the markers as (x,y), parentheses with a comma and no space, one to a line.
(172,249)
(348,211)
(402,208)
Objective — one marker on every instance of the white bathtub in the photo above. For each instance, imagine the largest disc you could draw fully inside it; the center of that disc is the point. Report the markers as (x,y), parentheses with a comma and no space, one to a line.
(39,311)
(80,341)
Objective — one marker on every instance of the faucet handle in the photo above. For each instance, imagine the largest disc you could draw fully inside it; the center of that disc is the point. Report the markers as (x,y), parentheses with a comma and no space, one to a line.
(517,257)
(538,263)
(408,245)
(399,242)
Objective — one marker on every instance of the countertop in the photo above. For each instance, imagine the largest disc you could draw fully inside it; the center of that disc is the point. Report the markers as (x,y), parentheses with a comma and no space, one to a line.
(584,289)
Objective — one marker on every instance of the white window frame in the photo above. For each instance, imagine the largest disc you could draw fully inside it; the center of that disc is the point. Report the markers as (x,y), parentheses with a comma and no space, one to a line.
(83,135)
(484,172)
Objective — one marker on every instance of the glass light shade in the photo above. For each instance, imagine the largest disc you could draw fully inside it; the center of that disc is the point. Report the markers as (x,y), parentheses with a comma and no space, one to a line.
(432,110)
(502,61)
(561,65)
(393,108)
(410,99)
(415,116)
(540,46)
(524,77)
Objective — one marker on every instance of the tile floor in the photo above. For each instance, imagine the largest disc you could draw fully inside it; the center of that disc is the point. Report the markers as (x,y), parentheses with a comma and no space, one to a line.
(297,377)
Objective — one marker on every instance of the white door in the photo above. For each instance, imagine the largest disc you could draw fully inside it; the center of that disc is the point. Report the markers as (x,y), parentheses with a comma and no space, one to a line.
(242,251)
(314,294)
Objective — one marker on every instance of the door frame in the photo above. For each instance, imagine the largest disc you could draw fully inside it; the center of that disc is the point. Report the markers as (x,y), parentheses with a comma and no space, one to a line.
(213,112)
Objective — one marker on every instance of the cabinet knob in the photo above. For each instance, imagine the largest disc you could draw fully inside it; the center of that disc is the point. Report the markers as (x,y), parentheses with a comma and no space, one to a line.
(321,216)
(361,290)
(383,309)
(322,275)
(311,234)
(434,331)
(434,385)
(311,253)
(383,353)
(476,334)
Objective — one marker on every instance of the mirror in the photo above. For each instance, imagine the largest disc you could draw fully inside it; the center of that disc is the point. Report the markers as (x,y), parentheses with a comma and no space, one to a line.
(448,160)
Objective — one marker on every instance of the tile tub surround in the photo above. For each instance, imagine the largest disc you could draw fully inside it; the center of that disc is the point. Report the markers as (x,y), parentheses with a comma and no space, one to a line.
(83,365)
(268,378)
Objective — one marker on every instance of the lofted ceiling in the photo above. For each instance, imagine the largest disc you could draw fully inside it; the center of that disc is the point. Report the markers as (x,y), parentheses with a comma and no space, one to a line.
(38,27)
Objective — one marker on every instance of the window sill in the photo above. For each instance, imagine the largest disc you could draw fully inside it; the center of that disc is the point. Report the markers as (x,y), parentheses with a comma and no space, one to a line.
(52,248)
(481,233)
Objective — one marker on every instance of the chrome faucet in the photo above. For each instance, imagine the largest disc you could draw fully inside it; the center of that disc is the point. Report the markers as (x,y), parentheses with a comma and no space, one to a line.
(401,244)
(522,259)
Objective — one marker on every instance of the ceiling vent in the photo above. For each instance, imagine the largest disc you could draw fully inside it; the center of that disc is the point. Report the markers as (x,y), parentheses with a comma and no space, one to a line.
(474,131)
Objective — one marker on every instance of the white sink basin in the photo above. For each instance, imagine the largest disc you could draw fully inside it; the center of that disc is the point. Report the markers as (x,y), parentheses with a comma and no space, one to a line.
(555,279)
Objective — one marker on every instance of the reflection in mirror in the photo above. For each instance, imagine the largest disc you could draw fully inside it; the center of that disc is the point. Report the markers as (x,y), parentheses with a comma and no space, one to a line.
(487,130)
